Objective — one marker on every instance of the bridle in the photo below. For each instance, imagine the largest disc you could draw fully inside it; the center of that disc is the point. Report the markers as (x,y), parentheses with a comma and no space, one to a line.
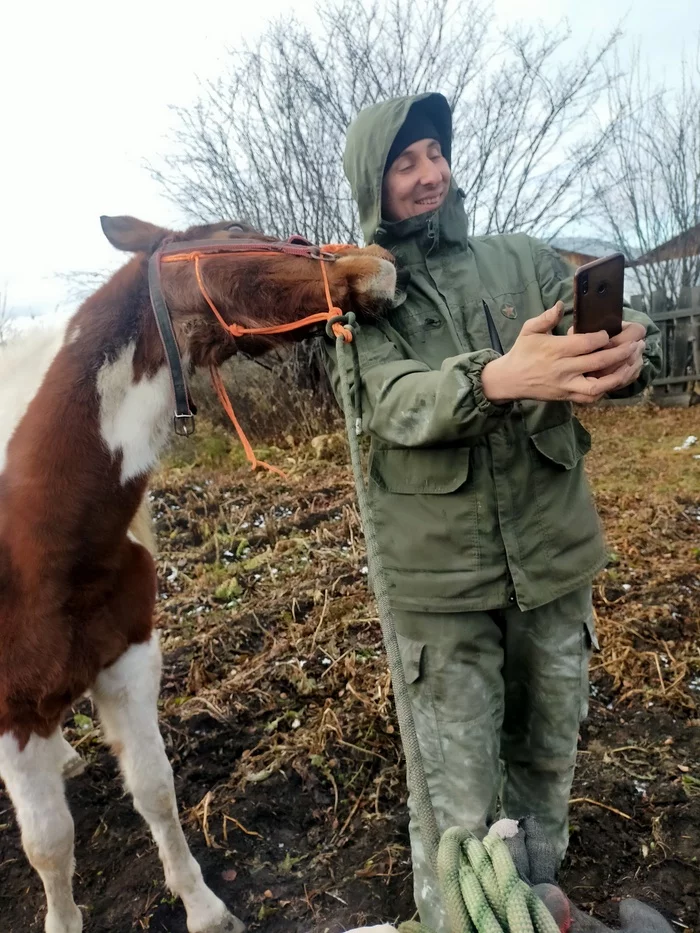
(197,250)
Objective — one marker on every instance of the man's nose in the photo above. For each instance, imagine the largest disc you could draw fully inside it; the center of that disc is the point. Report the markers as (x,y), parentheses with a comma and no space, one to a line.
(430,175)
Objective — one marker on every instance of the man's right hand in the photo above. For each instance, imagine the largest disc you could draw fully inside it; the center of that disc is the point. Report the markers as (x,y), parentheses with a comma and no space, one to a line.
(547,367)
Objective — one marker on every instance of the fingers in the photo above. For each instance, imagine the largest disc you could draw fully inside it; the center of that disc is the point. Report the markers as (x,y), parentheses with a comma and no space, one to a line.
(581,344)
(586,390)
(618,380)
(637,356)
(608,359)
(545,322)
(631,332)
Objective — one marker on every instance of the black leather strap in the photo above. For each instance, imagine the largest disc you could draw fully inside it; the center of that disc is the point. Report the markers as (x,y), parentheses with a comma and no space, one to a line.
(184,416)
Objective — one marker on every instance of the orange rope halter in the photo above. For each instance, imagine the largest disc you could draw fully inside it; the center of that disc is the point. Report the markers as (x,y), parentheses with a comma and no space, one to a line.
(236,330)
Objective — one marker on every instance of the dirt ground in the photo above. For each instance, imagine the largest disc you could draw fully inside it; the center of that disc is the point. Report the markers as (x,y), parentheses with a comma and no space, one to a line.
(277,714)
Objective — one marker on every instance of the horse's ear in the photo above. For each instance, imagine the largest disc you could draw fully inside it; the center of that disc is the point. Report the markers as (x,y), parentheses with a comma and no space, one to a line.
(132,235)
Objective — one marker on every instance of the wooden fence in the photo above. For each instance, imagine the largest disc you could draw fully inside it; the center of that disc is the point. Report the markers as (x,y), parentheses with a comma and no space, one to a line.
(680,341)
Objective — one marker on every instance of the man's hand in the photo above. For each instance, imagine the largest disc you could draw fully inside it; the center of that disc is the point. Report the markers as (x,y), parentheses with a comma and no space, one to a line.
(579,368)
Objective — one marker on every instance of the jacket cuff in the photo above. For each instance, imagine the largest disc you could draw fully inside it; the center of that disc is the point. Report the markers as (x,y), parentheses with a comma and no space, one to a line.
(477,362)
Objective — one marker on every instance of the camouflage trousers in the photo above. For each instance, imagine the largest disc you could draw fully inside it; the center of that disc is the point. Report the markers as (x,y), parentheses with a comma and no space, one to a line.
(497,698)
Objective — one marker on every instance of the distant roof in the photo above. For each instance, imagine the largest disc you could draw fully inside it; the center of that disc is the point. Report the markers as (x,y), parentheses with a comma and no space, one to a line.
(580,250)
(585,246)
(678,247)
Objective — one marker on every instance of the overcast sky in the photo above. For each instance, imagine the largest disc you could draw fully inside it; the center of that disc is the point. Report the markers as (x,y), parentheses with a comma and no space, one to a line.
(85,91)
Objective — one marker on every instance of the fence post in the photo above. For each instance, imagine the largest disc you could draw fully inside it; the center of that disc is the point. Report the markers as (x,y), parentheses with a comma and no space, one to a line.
(689,297)
(658,306)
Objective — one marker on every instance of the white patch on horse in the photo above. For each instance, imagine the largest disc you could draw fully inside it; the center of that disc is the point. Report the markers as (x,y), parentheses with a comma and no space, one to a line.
(126,695)
(24,362)
(134,416)
(35,784)
(381,284)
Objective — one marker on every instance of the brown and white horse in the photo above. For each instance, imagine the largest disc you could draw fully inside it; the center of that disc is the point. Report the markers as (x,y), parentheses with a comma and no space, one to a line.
(86,409)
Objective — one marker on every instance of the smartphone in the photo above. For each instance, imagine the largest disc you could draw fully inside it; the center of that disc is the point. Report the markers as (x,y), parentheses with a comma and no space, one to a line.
(598,293)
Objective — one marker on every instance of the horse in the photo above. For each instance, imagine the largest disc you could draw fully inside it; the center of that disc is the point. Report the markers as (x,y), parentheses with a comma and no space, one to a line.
(87,409)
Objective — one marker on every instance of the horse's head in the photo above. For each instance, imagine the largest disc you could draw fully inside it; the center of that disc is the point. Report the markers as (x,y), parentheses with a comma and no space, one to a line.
(251,289)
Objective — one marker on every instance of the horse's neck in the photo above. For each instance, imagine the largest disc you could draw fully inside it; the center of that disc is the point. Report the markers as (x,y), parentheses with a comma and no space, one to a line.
(114,337)
(90,409)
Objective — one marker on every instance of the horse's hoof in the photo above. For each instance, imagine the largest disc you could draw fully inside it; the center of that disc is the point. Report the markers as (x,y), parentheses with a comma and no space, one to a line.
(72,923)
(73,767)
(229,924)
(224,923)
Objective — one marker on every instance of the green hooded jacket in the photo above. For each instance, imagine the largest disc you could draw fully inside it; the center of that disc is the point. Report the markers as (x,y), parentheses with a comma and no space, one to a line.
(477,506)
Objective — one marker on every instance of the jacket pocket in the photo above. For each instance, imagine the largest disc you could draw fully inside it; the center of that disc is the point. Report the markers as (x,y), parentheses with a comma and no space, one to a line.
(567,519)
(426,510)
(420,470)
(564,444)
(422,706)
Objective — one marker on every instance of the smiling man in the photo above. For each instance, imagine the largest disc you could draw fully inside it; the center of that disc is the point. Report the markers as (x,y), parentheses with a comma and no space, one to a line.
(488,533)
(417,176)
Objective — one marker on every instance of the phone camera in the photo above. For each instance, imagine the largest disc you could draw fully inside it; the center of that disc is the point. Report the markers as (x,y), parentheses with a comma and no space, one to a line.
(584,285)
(602,288)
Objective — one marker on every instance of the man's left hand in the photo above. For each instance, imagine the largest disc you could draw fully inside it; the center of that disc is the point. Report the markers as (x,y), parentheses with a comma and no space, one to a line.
(631,331)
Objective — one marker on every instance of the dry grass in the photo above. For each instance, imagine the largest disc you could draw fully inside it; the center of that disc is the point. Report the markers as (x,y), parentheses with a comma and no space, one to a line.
(277,708)
(648,599)
(265,587)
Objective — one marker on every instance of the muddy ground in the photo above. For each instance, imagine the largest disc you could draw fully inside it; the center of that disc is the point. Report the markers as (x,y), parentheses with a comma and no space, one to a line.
(276,703)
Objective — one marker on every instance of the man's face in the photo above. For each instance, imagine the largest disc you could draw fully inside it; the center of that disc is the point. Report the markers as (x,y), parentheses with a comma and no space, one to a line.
(417,182)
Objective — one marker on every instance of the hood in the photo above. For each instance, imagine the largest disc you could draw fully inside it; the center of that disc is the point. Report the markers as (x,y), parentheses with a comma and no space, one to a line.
(368,143)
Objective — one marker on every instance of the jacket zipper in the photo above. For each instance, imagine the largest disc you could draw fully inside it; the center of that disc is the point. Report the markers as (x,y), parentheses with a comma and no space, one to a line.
(450,320)
(431,232)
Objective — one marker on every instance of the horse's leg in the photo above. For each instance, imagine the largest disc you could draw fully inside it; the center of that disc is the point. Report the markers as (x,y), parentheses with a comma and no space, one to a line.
(35,784)
(126,695)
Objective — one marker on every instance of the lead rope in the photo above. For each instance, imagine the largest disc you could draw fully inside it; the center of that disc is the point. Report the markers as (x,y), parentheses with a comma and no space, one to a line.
(480,887)
(333,318)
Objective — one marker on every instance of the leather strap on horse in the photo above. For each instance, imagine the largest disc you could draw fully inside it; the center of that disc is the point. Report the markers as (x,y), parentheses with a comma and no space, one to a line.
(197,250)
(184,416)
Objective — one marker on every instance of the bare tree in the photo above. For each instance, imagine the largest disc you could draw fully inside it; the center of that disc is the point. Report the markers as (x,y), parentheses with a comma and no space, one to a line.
(265,141)
(648,188)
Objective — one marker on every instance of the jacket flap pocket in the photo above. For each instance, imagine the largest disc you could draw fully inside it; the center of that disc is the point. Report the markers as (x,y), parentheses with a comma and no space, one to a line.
(420,470)
(564,444)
